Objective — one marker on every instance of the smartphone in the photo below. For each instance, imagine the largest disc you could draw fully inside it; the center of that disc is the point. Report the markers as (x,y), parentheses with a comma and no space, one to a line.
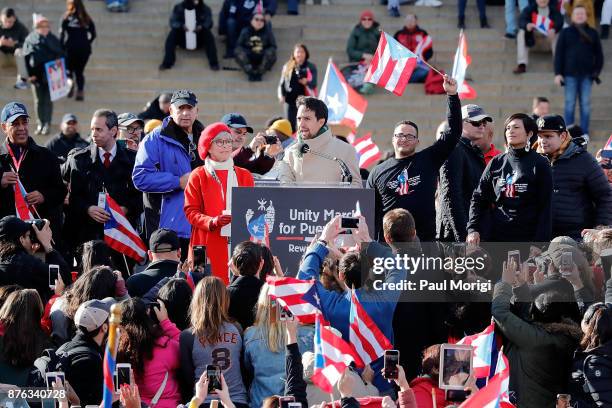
(199,256)
(122,375)
(349,222)
(270,140)
(516,257)
(390,371)
(285,315)
(52,376)
(283,402)
(214,378)
(273,310)
(565,268)
(53,275)
(455,366)
(38,223)
(456,395)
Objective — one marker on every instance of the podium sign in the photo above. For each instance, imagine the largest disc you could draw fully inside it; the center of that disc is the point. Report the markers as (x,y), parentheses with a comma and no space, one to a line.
(287,219)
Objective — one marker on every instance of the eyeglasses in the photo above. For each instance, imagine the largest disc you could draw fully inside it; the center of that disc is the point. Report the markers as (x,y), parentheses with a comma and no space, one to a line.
(366,19)
(223,142)
(131,130)
(478,124)
(404,136)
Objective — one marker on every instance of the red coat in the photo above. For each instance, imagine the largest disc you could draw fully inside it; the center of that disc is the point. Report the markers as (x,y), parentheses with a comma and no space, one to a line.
(204,201)
(422,387)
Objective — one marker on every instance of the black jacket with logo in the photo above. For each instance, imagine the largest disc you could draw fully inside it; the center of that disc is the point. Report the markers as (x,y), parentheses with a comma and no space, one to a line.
(88,177)
(517,188)
(419,187)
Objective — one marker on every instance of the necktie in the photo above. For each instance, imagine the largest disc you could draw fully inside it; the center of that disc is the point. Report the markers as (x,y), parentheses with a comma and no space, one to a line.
(107,162)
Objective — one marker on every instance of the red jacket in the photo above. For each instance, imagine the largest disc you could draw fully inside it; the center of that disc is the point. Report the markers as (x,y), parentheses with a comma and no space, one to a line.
(491,154)
(411,39)
(422,387)
(204,201)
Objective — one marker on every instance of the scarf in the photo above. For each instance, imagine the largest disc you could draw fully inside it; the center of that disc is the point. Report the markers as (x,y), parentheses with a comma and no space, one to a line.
(232,181)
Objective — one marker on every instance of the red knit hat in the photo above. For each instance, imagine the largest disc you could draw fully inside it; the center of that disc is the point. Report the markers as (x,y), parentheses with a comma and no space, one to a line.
(367,13)
(208,135)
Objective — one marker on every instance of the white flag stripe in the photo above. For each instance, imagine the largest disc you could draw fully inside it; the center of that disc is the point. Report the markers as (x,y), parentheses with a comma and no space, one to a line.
(331,373)
(354,115)
(288,289)
(119,236)
(382,63)
(334,354)
(123,221)
(300,309)
(370,153)
(370,337)
(356,343)
(396,75)
(363,144)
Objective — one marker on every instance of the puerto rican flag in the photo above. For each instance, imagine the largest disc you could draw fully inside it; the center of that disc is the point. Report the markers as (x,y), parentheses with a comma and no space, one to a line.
(496,393)
(22,209)
(425,44)
(608,145)
(483,344)
(365,337)
(403,186)
(345,105)
(300,297)
(108,372)
(120,235)
(392,65)
(367,150)
(542,23)
(462,60)
(332,356)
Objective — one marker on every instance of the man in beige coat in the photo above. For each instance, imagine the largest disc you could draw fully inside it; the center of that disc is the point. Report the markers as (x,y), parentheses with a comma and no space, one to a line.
(313,131)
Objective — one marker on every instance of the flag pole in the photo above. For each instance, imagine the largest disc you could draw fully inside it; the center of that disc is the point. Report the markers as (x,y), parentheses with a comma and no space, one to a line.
(435,70)
(127,268)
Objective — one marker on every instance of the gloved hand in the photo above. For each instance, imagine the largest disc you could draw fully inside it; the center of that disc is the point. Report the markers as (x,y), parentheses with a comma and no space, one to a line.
(220,221)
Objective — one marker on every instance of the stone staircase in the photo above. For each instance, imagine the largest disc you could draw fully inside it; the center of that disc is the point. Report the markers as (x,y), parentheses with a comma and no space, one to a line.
(122,73)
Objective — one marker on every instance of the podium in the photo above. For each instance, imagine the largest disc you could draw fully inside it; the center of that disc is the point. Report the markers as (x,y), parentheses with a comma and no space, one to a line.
(286,217)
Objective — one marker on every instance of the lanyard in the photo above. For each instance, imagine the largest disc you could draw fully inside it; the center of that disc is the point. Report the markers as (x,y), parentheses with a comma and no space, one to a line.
(16,163)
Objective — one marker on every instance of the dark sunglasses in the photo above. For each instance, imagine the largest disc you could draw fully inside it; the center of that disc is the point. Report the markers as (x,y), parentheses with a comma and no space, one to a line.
(366,19)
(478,124)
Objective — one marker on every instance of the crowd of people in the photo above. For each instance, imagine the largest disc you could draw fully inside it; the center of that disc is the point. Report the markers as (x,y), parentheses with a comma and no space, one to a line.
(171,177)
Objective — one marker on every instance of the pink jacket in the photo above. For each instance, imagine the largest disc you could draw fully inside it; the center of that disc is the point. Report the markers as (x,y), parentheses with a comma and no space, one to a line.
(165,360)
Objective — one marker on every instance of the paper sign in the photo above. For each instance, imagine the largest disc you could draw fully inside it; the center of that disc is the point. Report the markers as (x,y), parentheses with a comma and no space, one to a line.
(57,79)
(191,41)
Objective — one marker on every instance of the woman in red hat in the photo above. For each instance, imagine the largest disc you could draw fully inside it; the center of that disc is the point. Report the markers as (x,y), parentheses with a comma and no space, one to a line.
(208,195)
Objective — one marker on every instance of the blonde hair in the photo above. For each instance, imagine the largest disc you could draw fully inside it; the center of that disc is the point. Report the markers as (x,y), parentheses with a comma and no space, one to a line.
(291,63)
(272,332)
(208,309)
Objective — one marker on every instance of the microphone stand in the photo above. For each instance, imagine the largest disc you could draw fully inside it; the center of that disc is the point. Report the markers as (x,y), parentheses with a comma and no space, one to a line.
(346,173)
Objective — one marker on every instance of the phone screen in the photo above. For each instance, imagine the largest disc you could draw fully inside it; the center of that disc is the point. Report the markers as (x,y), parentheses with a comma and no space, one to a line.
(52,376)
(285,402)
(349,222)
(273,310)
(199,256)
(516,257)
(53,274)
(122,375)
(391,362)
(214,383)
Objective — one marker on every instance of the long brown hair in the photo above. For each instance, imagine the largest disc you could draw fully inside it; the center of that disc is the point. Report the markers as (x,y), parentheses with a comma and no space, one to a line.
(599,329)
(208,309)
(77,8)
(23,339)
(291,64)
(138,334)
(97,283)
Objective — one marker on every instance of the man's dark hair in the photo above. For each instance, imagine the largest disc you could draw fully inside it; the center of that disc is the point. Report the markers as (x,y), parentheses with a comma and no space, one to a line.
(350,269)
(271,121)
(8,12)
(165,96)
(407,122)
(540,99)
(314,104)
(528,123)
(109,116)
(246,258)
(399,225)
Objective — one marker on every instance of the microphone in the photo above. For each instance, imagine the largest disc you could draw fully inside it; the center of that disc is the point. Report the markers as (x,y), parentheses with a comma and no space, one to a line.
(346,173)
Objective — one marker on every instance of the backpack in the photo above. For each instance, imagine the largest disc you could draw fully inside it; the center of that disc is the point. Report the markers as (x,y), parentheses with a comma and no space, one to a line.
(60,360)
(433,83)
(597,371)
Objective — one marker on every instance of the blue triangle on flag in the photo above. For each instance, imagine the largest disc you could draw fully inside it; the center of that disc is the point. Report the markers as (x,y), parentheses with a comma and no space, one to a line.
(397,50)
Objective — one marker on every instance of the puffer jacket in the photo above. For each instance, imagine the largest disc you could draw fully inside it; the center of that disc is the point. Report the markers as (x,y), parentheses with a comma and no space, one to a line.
(590,384)
(540,354)
(362,41)
(582,197)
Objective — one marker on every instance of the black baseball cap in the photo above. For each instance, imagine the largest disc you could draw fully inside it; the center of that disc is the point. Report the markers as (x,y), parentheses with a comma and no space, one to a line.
(551,122)
(12,227)
(236,121)
(164,240)
(184,97)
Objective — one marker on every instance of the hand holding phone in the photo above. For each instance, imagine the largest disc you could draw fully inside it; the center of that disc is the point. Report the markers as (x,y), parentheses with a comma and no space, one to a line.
(53,275)
(391,361)
(123,375)
(349,223)
(214,382)
(455,366)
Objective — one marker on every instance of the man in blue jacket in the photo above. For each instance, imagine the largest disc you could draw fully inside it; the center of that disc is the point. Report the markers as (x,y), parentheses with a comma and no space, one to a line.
(164,161)
(379,304)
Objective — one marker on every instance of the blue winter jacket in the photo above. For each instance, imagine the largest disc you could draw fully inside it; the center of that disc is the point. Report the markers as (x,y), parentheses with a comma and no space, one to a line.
(160,162)
(379,304)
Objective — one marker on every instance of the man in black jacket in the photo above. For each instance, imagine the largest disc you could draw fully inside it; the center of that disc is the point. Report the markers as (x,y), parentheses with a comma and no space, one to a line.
(578,62)
(460,174)
(409,179)
(540,22)
(582,197)
(236,15)
(103,167)
(158,108)
(67,139)
(179,30)
(35,167)
(165,255)
(244,289)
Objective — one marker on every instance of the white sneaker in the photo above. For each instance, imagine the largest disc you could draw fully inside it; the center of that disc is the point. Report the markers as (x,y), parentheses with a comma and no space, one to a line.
(325,2)
(433,3)
(310,2)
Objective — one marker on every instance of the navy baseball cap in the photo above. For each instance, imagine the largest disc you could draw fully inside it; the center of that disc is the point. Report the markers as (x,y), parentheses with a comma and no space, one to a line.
(551,122)
(69,117)
(236,121)
(12,111)
(127,118)
(183,97)
(474,113)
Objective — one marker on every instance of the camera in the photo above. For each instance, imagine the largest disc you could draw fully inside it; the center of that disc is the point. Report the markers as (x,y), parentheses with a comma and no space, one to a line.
(270,140)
